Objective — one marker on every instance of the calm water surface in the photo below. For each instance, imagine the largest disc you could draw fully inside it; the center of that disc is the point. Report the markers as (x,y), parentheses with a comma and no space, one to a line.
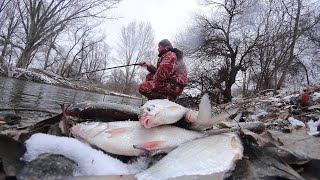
(25,94)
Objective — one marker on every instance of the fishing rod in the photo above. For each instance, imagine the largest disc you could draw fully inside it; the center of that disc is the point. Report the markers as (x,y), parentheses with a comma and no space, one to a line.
(106,69)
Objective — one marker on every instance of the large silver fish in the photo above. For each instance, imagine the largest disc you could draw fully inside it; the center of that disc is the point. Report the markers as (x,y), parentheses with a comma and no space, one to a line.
(121,137)
(205,156)
(162,111)
(159,112)
(101,111)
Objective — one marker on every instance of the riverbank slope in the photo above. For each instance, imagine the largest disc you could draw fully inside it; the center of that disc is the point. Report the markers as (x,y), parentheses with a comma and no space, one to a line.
(47,77)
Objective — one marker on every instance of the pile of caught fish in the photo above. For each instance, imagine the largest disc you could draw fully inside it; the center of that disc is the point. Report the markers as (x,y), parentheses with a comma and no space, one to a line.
(185,140)
(253,138)
(154,134)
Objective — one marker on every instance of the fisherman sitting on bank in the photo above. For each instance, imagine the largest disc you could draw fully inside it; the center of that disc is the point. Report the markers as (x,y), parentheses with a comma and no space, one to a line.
(168,79)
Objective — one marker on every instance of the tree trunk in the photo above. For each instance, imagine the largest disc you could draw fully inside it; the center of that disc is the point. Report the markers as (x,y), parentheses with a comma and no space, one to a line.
(2,62)
(292,45)
(306,71)
(24,59)
(244,85)
(2,65)
(227,94)
(47,58)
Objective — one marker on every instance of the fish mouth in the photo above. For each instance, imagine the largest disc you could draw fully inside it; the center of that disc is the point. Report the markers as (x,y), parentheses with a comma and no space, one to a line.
(75,130)
(145,121)
(81,129)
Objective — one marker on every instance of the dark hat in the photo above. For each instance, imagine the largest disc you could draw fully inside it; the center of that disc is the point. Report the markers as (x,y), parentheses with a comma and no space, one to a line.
(165,43)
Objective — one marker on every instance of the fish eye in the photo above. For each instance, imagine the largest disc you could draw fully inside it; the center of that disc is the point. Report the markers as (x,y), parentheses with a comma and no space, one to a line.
(151,107)
(89,122)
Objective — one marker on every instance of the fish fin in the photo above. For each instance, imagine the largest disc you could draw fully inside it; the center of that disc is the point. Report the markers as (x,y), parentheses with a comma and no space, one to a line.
(204,114)
(191,116)
(162,151)
(217,118)
(153,148)
(145,150)
(150,145)
(234,143)
(116,132)
(173,108)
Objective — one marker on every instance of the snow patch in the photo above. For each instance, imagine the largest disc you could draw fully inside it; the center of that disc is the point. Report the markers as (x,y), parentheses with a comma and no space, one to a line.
(296,122)
(313,126)
(316,96)
(90,161)
(262,113)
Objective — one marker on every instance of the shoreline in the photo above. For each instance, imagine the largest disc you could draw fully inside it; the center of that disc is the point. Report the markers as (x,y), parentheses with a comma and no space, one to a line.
(49,78)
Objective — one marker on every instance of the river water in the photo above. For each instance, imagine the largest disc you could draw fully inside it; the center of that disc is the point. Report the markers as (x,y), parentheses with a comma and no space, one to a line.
(25,94)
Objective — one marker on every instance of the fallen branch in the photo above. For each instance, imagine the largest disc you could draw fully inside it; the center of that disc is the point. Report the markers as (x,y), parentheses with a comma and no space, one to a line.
(252,126)
(29,109)
(42,126)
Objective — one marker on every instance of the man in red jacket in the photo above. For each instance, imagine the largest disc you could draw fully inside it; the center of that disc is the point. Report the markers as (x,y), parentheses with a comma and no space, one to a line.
(167,80)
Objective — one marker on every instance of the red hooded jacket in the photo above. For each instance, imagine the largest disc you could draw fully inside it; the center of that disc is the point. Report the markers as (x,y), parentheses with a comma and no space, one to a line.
(169,78)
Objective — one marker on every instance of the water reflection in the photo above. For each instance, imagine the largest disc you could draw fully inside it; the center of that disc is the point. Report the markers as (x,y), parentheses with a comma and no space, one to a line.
(24,94)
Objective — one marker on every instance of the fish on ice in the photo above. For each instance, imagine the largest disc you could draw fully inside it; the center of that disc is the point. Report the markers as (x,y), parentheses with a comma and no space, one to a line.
(89,160)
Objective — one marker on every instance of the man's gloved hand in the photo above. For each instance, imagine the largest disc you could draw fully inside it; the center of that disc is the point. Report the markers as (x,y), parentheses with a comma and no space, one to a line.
(143,64)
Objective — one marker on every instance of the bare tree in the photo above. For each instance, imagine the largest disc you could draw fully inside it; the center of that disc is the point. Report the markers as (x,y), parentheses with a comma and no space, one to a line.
(226,41)
(115,80)
(272,51)
(87,44)
(9,21)
(95,58)
(80,39)
(265,40)
(282,43)
(50,45)
(43,19)
(294,38)
(313,66)
(136,44)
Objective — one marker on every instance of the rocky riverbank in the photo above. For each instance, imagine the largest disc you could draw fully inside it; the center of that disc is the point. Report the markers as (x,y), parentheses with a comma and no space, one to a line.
(288,147)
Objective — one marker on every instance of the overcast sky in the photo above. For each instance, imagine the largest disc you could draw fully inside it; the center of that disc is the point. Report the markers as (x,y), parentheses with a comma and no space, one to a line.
(167,17)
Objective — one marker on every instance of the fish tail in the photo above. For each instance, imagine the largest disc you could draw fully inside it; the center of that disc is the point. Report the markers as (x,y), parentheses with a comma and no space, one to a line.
(204,109)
